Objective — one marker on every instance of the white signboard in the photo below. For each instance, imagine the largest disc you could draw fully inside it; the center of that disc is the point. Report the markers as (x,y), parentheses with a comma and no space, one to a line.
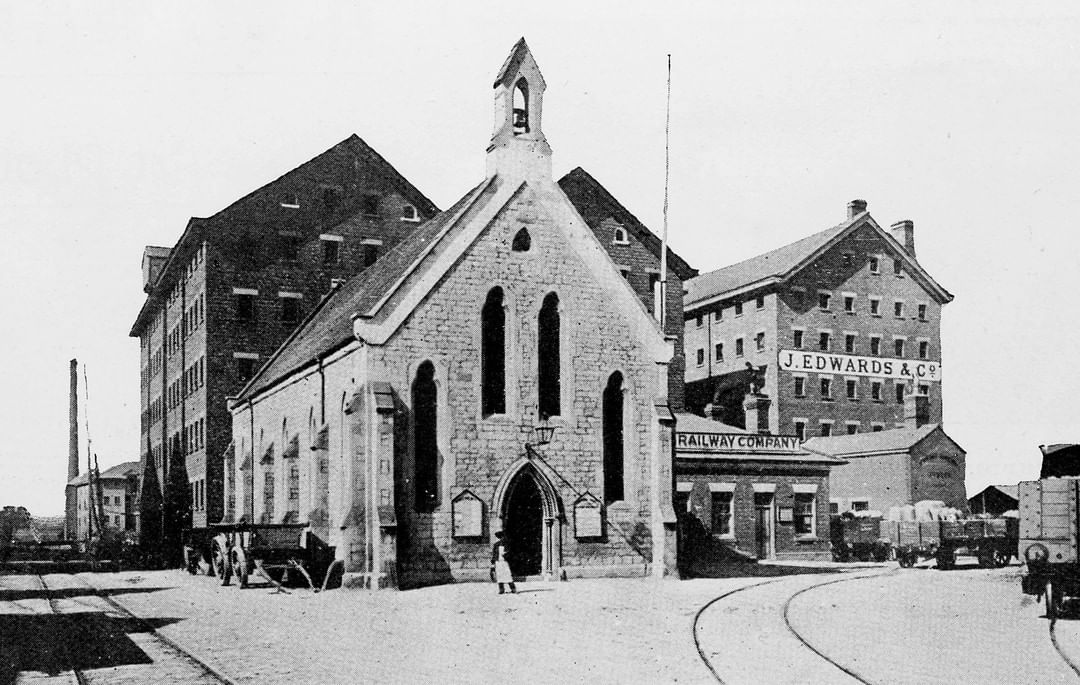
(741,443)
(918,370)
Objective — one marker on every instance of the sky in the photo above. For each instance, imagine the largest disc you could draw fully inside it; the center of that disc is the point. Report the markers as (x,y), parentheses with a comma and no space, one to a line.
(122,120)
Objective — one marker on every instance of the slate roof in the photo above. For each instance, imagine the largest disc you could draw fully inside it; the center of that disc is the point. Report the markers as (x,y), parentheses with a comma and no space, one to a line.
(177,256)
(692,423)
(776,263)
(328,326)
(118,472)
(594,203)
(784,262)
(893,440)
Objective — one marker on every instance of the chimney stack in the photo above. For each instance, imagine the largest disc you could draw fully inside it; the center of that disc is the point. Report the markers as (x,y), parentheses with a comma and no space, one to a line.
(73,423)
(904,232)
(916,410)
(756,408)
(855,208)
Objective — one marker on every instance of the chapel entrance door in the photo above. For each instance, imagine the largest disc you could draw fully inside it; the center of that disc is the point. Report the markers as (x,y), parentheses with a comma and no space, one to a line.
(524,526)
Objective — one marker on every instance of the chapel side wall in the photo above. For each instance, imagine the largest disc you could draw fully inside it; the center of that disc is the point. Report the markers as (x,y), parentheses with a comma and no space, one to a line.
(475,451)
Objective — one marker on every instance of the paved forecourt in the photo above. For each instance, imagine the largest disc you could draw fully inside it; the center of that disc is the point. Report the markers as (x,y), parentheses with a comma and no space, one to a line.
(597,631)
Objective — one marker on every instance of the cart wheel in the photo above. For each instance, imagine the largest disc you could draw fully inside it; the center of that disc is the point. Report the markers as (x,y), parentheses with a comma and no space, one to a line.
(1002,557)
(1053,600)
(907,560)
(222,569)
(240,567)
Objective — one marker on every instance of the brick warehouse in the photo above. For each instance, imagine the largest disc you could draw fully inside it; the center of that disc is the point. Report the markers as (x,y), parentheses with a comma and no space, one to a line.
(398,419)
(838,323)
(234,286)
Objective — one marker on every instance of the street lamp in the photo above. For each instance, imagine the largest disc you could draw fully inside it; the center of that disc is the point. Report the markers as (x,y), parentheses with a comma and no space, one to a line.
(544,431)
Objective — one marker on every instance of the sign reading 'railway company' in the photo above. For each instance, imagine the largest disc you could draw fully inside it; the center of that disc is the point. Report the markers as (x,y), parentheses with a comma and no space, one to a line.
(735,442)
(850,365)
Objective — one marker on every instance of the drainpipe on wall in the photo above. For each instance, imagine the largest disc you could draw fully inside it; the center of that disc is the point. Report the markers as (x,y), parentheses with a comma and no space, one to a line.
(251,475)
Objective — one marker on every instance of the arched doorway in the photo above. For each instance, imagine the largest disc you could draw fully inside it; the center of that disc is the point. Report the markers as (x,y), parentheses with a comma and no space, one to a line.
(523,523)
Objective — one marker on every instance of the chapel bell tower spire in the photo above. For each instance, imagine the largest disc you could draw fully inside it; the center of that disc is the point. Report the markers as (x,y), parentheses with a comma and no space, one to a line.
(518,147)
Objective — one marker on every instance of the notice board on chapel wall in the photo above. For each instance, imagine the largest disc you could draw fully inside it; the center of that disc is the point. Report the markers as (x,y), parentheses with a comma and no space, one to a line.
(468,515)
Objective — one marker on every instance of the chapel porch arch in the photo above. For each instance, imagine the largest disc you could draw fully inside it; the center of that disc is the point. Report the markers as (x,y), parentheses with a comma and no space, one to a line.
(523,479)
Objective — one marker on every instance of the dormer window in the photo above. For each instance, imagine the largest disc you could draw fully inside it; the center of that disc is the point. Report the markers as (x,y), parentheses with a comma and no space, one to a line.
(621,237)
(408,213)
(521,107)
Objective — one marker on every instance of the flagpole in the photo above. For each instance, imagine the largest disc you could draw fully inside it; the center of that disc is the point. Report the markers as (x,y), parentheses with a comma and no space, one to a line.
(662,308)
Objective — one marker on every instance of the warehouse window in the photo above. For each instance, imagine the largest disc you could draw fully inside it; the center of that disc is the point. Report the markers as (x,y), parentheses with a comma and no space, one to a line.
(613,439)
(875,306)
(425,438)
(823,341)
(804,513)
(875,267)
(922,312)
(290,310)
(860,505)
(875,345)
(877,427)
(738,347)
(760,302)
(924,349)
(897,267)
(290,248)
(797,338)
(493,354)
(823,299)
(875,390)
(245,308)
(898,347)
(800,386)
(738,309)
(330,252)
(701,356)
(759,341)
(719,352)
(852,388)
(898,309)
(698,320)
(849,343)
(826,429)
(849,304)
(371,253)
(722,514)
(899,392)
(620,236)
(800,429)
(852,427)
(826,388)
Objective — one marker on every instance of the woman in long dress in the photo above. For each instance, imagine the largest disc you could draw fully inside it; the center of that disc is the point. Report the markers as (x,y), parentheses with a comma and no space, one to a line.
(499,565)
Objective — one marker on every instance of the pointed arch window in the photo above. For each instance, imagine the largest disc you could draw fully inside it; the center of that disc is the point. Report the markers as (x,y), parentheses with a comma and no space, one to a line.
(493,354)
(548,354)
(521,106)
(425,438)
(522,241)
(613,439)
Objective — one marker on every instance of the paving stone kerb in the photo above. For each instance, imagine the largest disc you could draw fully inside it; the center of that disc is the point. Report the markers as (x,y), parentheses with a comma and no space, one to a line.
(597,631)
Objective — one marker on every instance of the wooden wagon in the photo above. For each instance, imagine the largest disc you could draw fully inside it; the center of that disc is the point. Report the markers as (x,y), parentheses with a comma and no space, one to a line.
(276,551)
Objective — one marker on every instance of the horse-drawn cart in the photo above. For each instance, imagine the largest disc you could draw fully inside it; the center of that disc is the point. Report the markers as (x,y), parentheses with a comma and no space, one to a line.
(276,551)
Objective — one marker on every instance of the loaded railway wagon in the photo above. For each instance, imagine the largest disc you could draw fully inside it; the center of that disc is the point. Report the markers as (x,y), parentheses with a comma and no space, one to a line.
(1048,540)
(993,541)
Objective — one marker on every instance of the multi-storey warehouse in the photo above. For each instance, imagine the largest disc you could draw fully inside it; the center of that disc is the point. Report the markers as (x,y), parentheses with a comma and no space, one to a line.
(233,288)
(835,329)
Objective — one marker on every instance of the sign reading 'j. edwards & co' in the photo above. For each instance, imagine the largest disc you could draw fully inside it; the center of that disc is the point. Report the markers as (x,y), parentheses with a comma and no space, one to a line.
(735,442)
(850,365)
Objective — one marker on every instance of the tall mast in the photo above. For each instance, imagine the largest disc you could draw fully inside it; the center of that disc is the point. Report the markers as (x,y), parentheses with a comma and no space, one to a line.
(662,308)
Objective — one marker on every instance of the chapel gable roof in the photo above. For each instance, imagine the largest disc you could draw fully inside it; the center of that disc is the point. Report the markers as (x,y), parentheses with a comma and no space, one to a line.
(780,265)
(593,201)
(328,326)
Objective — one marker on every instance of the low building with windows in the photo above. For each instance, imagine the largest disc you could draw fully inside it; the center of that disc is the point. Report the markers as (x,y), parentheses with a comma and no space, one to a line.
(901,466)
(119,488)
(398,419)
(840,326)
(759,496)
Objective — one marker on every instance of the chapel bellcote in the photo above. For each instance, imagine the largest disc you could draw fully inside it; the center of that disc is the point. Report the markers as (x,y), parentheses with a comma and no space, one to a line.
(518,147)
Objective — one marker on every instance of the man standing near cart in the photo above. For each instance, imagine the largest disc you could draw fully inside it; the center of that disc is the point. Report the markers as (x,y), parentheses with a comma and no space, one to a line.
(499,566)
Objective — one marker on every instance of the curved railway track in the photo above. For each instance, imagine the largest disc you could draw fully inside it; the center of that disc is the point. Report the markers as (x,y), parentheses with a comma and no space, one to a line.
(787,623)
(173,651)
(1057,648)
